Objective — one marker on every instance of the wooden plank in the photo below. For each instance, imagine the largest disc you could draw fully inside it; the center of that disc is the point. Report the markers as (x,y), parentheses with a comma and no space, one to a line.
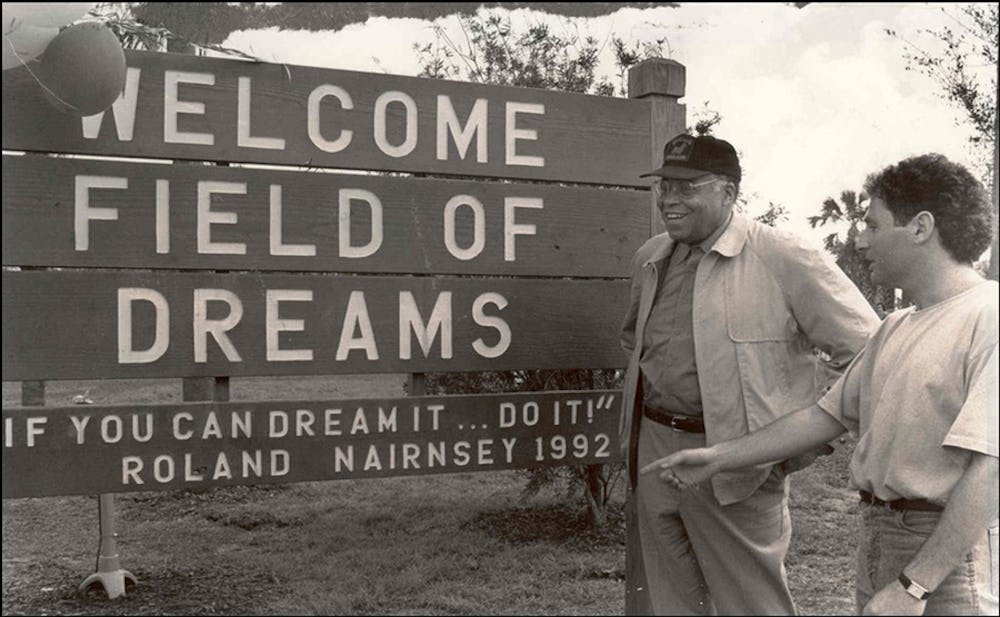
(171,216)
(113,449)
(66,324)
(188,107)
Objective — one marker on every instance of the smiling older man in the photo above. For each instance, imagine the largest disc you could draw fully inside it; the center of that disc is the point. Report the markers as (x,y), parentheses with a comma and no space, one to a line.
(727,323)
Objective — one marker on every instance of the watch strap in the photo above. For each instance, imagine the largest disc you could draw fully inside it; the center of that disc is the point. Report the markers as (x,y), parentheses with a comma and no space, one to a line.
(916,590)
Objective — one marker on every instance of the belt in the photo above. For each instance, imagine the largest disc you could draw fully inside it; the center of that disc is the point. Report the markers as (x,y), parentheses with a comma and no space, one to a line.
(680,423)
(900,505)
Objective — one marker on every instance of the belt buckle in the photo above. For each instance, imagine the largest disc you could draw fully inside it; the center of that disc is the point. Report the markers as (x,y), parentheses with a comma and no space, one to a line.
(675,424)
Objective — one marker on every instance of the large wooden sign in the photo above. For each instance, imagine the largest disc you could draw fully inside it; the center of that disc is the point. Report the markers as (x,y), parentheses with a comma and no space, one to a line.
(193,445)
(230,218)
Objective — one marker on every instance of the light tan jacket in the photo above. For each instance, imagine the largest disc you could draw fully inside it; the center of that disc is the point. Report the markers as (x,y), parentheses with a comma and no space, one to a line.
(763,301)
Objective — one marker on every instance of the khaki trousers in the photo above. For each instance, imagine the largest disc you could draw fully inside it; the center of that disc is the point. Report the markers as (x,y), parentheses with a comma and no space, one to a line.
(702,558)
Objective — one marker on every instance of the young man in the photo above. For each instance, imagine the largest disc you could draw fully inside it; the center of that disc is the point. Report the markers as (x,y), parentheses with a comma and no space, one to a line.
(724,321)
(921,397)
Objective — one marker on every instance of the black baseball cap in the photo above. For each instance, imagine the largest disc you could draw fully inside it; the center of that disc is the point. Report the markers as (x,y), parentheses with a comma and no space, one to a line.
(687,156)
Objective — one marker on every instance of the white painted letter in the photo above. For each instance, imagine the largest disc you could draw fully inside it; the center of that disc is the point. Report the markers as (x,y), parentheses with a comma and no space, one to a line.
(313,114)
(126,296)
(36,426)
(217,327)
(277,244)
(513,134)
(409,319)
(206,217)
(499,324)
(172,107)
(80,424)
(163,468)
(478,227)
(243,138)
(279,463)
(357,316)
(123,109)
(178,433)
(274,325)
(82,212)
(162,216)
(410,142)
(510,228)
(344,220)
(447,121)
(131,466)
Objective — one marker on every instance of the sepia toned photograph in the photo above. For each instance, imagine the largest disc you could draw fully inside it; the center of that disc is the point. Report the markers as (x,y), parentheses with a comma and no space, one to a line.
(500,309)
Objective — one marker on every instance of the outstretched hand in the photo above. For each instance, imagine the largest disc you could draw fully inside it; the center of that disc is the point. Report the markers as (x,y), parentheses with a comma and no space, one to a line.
(685,468)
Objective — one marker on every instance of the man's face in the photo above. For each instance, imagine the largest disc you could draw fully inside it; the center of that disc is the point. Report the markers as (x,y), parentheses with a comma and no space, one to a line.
(693,209)
(886,245)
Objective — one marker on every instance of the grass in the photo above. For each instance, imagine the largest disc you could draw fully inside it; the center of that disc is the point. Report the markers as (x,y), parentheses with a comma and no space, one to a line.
(448,544)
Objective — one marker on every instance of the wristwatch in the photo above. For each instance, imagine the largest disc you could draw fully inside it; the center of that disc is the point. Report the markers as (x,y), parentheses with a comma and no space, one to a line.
(916,590)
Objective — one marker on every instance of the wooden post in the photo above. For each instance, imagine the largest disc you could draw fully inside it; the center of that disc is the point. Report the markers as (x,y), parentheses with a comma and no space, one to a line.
(205,389)
(32,393)
(661,82)
(416,384)
(199,388)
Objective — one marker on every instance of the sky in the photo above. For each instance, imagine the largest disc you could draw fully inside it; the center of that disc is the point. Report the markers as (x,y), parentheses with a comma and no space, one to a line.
(814,99)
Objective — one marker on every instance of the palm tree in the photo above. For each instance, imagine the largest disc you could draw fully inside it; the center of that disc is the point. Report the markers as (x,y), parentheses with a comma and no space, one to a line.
(851,211)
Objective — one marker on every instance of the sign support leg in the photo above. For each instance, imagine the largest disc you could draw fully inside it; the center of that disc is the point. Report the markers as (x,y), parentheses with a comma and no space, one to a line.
(109,573)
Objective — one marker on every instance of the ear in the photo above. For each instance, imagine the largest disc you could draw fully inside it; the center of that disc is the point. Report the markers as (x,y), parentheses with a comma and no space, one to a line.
(730,191)
(922,226)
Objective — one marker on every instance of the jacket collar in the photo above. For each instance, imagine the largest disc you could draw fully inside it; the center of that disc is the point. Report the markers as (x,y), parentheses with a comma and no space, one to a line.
(663,246)
(729,244)
(734,238)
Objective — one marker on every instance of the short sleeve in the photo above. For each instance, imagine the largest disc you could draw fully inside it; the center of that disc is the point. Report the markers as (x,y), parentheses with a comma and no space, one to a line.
(843,400)
(975,428)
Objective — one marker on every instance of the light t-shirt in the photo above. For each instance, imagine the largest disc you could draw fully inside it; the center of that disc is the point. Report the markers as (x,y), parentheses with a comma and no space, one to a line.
(922,397)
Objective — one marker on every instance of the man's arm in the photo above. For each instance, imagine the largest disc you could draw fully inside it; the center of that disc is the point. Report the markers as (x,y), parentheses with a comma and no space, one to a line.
(831,313)
(787,436)
(828,307)
(968,514)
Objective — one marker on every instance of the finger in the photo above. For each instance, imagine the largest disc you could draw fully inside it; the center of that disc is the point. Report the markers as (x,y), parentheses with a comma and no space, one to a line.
(654,466)
(671,478)
(664,463)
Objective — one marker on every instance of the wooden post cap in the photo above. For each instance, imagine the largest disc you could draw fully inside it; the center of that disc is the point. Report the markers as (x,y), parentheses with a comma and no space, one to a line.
(659,76)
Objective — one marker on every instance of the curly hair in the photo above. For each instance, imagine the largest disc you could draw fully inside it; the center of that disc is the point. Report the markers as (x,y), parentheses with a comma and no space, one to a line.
(962,211)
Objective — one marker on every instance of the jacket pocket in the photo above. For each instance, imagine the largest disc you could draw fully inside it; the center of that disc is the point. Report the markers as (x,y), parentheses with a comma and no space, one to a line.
(758,317)
(764,338)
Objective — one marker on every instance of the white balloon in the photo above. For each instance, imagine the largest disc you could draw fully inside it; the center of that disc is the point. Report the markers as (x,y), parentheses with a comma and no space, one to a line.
(23,43)
(46,14)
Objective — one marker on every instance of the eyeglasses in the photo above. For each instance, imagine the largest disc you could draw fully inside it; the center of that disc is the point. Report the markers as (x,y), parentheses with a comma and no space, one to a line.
(684,188)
